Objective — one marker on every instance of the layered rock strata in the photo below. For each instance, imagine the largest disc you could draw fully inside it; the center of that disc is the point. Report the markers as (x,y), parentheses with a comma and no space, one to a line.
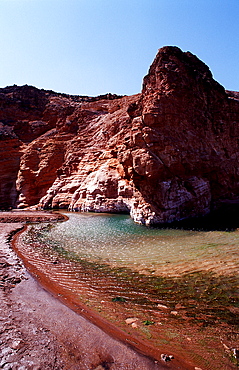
(168,153)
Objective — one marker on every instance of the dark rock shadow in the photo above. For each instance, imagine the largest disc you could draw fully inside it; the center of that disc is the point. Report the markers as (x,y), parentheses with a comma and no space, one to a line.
(224,218)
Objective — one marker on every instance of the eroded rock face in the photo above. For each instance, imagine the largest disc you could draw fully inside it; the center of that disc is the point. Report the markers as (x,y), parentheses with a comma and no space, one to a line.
(185,124)
(166,154)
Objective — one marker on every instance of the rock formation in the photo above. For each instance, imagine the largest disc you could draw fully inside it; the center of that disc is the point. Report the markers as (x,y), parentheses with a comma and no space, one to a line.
(168,153)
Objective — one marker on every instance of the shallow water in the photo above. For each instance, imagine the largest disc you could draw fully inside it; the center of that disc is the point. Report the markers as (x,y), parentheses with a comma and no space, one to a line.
(117,240)
(122,269)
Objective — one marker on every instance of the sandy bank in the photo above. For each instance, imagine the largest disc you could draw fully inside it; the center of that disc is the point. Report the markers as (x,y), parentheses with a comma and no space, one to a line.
(30,216)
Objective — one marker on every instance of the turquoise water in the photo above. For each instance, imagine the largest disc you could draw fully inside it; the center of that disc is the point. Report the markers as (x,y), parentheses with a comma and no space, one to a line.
(124,270)
(117,240)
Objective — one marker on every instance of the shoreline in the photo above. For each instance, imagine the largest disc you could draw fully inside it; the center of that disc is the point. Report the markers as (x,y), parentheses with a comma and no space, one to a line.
(140,346)
(148,356)
(24,217)
(40,331)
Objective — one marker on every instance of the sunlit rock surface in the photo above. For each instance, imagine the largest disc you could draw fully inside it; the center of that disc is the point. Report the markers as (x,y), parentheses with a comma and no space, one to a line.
(168,153)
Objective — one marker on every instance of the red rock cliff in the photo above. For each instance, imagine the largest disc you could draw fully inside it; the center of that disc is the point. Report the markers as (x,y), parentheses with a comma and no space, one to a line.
(166,154)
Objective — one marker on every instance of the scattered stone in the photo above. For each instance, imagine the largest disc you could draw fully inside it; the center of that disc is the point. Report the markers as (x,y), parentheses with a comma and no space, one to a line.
(174,313)
(16,344)
(99,368)
(162,306)
(131,320)
(166,358)
(235,353)
(226,347)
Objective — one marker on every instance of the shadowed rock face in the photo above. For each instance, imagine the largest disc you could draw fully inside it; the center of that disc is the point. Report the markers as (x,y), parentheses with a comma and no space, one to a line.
(168,153)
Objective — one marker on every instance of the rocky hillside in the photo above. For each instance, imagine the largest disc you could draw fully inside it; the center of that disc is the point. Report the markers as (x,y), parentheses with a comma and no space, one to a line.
(168,153)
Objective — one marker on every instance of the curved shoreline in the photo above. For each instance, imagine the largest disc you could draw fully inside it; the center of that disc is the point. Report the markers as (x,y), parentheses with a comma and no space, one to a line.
(66,298)
(141,347)
(38,331)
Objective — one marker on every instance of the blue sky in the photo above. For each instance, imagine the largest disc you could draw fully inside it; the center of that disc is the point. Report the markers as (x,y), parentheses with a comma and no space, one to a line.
(92,47)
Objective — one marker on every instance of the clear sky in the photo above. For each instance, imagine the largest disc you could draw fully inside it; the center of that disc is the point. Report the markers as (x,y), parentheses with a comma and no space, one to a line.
(92,47)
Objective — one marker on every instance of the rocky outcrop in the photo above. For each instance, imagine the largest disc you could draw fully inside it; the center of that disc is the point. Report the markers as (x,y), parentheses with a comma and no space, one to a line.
(186,125)
(168,153)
